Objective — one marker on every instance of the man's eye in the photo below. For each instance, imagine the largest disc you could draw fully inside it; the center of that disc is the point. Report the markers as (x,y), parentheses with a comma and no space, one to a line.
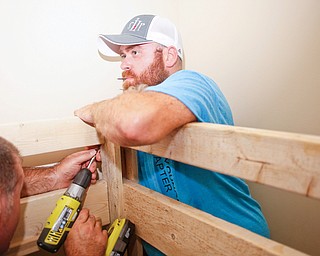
(134,52)
(122,56)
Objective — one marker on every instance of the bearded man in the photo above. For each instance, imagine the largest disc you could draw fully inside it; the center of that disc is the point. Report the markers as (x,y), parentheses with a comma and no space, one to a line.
(151,51)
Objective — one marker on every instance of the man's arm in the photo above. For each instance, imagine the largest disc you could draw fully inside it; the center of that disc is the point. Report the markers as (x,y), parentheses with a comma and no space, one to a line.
(137,118)
(38,180)
(45,179)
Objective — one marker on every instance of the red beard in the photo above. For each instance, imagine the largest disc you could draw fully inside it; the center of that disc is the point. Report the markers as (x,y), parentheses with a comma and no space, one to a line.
(154,74)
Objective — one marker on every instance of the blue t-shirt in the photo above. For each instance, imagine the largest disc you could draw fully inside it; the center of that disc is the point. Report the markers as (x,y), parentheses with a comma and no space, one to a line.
(221,195)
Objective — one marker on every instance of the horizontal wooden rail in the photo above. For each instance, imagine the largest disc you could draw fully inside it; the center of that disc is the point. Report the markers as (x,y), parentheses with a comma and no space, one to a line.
(36,209)
(45,136)
(284,160)
(178,229)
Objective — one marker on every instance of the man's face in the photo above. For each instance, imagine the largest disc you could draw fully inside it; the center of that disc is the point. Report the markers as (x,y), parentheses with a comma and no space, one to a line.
(142,64)
(10,209)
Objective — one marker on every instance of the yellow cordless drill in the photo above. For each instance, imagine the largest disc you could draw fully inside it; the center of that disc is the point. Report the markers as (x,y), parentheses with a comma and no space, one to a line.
(65,213)
(119,235)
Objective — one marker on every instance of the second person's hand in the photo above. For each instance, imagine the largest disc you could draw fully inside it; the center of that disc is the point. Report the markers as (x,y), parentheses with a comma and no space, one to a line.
(68,168)
(86,236)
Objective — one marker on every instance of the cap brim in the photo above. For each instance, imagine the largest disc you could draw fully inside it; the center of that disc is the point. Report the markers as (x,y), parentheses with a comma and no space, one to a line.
(109,45)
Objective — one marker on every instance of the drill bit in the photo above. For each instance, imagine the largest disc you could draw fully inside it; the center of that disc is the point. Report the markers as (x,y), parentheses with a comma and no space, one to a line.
(91,161)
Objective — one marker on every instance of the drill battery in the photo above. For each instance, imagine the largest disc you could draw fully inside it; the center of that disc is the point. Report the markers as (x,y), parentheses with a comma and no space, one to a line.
(119,234)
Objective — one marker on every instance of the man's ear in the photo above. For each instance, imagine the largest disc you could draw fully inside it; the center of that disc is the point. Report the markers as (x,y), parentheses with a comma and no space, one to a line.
(171,56)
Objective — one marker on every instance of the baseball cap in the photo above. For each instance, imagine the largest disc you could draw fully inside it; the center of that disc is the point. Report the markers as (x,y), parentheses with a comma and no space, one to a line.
(139,30)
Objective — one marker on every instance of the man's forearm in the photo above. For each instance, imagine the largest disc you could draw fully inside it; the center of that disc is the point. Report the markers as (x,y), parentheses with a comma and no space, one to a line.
(135,119)
(38,180)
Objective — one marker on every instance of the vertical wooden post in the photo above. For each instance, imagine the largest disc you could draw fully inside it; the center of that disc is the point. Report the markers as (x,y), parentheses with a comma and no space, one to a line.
(112,174)
(118,162)
(130,164)
(130,171)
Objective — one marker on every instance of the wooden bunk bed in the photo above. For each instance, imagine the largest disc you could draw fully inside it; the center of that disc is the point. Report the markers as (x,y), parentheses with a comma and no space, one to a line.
(284,160)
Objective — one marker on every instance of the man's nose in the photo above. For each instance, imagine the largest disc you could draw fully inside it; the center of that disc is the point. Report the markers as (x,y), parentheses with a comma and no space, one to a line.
(125,65)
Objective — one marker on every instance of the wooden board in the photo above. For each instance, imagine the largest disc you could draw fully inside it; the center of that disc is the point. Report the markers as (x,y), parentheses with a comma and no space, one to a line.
(44,136)
(284,160)
(178,229)
(36,209)
(112,174)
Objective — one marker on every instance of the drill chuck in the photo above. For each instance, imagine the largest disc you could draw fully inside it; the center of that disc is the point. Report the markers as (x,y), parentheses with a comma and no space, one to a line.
(83,178)
(80,183)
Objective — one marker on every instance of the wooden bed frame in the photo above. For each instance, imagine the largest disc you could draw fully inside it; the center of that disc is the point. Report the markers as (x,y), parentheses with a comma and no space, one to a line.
(284,160)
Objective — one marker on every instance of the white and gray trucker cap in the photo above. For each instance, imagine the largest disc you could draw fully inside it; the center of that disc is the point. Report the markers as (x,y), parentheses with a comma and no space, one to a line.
(139,30)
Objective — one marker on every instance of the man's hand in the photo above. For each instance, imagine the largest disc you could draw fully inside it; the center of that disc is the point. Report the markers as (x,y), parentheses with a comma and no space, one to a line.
(72,164)
(43,179)
(86,236)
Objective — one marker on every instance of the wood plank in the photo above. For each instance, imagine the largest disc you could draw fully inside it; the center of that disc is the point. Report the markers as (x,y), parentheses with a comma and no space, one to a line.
(178,229)
(130,171)
(284,160)
(112,174)
(36,209)
(37,137)
(129,164)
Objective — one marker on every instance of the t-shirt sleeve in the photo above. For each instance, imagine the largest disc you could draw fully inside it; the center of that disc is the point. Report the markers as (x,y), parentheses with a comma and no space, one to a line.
(200,94)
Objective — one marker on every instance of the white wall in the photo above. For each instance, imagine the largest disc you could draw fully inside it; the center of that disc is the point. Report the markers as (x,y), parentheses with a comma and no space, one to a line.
(264,54)
(49,63)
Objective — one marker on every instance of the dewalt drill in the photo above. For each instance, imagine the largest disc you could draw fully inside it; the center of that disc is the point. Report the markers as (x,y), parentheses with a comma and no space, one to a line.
(65,213)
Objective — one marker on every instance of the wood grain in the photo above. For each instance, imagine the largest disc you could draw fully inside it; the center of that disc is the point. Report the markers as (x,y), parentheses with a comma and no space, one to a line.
(43,136)
(178,229)
(284,160)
